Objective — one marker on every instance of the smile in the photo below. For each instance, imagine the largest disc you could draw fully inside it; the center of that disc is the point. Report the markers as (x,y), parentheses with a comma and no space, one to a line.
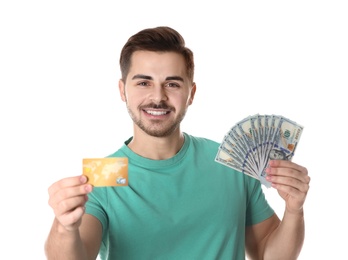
(156,112)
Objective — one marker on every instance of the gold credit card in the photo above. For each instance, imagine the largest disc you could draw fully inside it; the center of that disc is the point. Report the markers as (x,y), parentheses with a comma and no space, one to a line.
(111,171)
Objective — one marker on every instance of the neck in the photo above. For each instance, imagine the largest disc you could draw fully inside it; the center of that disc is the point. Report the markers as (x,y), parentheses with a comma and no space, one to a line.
(156,148)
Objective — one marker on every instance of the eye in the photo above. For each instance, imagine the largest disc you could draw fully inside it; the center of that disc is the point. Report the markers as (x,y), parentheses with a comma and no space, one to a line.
(143,83)
(172,85)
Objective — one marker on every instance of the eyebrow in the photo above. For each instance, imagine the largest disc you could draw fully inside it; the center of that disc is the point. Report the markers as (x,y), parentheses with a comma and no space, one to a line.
(175,78)
(141,76)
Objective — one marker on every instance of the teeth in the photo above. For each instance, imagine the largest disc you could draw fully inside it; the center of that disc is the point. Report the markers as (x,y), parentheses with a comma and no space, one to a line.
(156,113)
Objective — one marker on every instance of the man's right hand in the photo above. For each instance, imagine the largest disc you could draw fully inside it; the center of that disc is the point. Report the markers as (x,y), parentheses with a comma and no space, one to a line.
(67,198)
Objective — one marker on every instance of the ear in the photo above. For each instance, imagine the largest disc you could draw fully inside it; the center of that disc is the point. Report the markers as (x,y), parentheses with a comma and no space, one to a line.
(193,92)
(121,88)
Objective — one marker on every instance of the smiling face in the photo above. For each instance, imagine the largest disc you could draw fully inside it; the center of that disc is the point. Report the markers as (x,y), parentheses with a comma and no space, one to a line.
(157,92)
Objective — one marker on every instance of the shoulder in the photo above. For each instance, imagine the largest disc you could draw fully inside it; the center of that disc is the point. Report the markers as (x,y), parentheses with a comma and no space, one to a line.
(202,147)
(202,141)
(123,150)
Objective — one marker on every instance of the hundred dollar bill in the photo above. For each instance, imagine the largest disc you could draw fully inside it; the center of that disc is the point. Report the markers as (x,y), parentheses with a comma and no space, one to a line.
(256,131)
(225,159)
(273,127)
(238,134)
(244,127)
(285,141)
(252,142)
(228,147)
(267,119)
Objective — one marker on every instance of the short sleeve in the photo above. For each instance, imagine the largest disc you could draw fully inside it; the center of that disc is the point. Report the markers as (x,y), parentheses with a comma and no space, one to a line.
(258,208)
(94,206)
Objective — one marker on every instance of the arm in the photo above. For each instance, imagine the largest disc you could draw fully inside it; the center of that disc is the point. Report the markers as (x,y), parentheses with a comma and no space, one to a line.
(272,239)
(73,235)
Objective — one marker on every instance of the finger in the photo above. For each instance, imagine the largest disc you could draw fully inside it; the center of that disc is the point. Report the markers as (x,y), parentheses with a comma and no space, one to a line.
(295,183)
(70,204)
(67,182)
(274,174)
(72,219)
(69,192)
(289,169)
(287,164)
(293,191)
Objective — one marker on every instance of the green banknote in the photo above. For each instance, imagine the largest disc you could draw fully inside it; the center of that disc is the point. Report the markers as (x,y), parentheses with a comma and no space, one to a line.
(249,145)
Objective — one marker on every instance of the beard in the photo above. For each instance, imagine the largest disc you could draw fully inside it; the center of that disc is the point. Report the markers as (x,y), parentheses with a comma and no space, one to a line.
(157,128)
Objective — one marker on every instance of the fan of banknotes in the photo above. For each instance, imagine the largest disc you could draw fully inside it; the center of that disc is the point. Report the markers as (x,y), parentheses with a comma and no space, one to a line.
(252,142)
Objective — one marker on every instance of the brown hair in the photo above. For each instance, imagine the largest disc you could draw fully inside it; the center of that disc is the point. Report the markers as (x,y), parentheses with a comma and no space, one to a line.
(158,39)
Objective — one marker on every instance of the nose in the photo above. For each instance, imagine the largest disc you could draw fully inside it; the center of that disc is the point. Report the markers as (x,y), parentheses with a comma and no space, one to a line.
(158,94)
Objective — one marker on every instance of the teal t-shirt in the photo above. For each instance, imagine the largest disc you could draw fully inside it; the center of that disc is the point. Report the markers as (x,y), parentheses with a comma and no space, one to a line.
(185,207)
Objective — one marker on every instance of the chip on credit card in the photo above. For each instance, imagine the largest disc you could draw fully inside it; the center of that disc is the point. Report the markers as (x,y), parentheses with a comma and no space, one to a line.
(110,171)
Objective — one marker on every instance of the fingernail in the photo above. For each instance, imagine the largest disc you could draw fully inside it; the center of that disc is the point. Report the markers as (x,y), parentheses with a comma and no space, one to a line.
(88,188)
(83,179)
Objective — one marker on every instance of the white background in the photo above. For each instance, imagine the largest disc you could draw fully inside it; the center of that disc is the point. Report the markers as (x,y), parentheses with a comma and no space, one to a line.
(59,99)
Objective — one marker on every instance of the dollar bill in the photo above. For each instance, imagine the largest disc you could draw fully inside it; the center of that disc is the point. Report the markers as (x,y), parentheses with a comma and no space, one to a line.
(249,145)
(285,141)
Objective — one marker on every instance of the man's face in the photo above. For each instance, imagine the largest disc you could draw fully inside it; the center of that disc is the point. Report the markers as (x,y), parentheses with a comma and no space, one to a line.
(157,92)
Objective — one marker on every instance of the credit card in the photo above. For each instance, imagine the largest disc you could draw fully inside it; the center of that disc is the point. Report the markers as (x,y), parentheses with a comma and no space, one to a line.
(110,171)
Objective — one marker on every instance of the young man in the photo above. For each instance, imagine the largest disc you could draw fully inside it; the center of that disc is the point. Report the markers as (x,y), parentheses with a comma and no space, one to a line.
(180,203)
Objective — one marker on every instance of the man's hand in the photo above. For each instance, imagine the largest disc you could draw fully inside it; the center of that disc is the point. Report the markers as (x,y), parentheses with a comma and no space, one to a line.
(291,181)
(67,198)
